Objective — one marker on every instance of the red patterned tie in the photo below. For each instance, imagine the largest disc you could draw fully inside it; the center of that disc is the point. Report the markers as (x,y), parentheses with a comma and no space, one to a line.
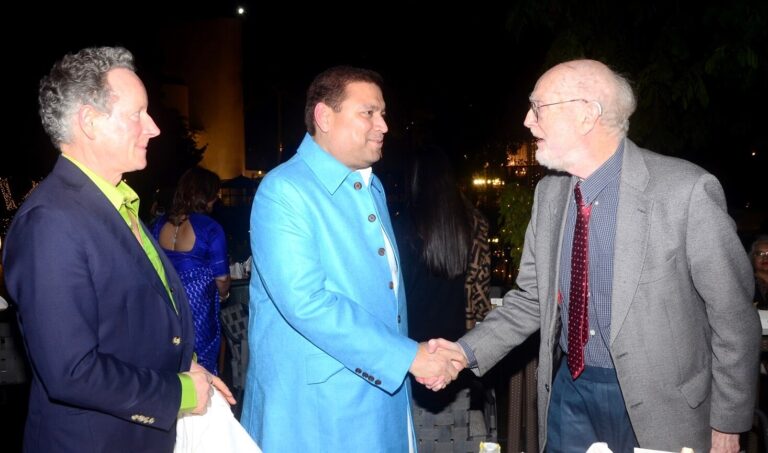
(578,315)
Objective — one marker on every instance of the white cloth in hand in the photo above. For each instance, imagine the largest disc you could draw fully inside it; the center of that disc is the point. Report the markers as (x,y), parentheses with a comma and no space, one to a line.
(216,432)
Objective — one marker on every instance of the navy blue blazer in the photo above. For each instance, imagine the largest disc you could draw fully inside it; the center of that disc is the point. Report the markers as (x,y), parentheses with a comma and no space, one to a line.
(103,338)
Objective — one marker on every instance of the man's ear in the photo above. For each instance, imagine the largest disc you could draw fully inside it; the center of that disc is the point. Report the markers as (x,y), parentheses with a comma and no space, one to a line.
(86,117)
(592,114)
(323,116)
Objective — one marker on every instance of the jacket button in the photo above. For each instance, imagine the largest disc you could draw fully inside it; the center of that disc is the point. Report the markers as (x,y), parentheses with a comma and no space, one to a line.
(378,382)
(372,218)
(370,378)
(546,387)
(391,285)
(176,341)
(358,370)
(365,375)
(358,186)
(382,251)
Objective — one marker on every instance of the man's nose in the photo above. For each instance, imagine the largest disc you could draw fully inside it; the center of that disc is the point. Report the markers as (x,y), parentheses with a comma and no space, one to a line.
(150,127)
(530,119)
(381,124)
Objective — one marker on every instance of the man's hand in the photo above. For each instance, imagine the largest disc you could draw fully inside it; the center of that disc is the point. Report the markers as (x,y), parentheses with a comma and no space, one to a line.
(203,388)
(205,382)
(441,350)
(441,346)
(435,369)
(724,442)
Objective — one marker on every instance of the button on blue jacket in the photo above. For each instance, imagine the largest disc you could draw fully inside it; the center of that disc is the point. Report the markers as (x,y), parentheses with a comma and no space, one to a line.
(328,342)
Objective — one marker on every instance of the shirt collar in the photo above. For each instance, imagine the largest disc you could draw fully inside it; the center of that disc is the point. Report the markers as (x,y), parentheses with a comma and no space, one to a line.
(327,168)
(609,171)
(366,174)
(117,195)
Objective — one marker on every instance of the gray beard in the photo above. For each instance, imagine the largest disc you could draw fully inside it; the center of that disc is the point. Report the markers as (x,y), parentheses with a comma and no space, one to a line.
(553,164)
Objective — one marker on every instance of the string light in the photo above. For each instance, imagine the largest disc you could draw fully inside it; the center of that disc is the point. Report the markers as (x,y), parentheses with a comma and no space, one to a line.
(10,204)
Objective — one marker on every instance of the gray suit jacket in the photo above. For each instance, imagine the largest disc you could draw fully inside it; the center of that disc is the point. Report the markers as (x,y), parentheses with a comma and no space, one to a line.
(684,334)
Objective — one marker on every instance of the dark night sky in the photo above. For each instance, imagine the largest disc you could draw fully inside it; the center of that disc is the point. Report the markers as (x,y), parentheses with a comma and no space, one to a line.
(449,75)
(459,77)
(440,67)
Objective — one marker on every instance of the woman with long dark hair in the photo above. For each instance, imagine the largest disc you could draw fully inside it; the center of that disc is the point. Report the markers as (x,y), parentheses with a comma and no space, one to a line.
(445,260)
(197,247)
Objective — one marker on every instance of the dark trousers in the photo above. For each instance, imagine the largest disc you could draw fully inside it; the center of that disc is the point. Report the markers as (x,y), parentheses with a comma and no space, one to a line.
(587,410)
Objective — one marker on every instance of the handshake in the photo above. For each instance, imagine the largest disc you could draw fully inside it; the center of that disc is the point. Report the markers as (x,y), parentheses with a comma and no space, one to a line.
(437,363)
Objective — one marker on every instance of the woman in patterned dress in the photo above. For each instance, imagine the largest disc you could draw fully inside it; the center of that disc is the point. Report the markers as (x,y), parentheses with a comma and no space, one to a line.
(196,245)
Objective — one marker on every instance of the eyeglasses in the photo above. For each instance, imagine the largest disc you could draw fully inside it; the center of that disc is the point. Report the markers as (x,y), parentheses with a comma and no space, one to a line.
(762,254)
(535,108)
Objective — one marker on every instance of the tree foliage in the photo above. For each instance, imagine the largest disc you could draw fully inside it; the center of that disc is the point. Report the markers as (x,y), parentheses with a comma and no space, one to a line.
(515,204)
(699,69)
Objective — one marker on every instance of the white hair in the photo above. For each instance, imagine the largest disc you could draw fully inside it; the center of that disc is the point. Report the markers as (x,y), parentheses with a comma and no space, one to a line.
(599,83)
(617,110)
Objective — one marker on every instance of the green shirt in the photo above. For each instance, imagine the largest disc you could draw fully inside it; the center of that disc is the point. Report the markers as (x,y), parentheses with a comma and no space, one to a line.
(122,195)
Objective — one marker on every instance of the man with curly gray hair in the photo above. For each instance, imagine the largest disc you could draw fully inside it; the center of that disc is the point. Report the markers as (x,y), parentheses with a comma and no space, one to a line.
(105,321)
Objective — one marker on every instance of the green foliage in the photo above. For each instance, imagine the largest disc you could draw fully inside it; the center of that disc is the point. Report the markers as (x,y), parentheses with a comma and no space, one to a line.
(515,203)
(698,68)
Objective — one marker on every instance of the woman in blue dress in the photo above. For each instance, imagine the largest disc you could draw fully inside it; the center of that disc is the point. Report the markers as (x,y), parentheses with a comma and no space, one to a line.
(196,245)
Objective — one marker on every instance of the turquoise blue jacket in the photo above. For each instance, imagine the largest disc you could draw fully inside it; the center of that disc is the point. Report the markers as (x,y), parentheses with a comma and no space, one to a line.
(329,351)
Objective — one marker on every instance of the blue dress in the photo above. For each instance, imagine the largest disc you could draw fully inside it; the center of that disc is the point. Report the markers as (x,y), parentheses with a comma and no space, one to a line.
(197,269)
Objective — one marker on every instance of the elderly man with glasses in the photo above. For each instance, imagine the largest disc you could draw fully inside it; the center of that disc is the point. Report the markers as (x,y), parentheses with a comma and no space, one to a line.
(634,274)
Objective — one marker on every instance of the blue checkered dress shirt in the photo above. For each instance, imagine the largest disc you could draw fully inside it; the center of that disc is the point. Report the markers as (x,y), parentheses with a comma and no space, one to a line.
(601,190)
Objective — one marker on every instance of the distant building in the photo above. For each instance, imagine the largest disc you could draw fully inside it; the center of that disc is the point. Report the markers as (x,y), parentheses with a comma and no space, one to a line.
(522,166)
(205,57)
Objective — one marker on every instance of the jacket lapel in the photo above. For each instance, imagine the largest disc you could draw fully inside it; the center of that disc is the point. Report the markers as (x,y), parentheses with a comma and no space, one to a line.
(558,209)
(632,228)
(170,273)
(125,244)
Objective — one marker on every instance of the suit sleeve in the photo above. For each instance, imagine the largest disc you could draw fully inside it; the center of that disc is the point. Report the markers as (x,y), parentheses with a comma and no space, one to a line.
(288,262)
(509,325)
(49,275)
(722,275)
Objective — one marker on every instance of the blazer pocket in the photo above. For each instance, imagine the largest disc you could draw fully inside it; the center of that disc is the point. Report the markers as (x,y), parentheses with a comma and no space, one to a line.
(659,272)
(697,388)
(320,368)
